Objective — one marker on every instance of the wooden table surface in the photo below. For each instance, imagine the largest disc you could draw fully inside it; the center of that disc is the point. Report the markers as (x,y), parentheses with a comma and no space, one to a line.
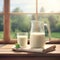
(6,51)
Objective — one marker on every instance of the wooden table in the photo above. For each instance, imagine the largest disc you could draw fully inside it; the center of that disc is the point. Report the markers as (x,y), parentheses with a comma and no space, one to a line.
(6,53)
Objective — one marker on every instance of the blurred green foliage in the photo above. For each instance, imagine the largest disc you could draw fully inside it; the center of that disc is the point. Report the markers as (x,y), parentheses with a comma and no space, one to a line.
(22,22)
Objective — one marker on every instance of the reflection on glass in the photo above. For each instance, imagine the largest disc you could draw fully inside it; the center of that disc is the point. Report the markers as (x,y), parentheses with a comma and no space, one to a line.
(1,5)
(20,23)
(24,5)
(48,5)
(1,27)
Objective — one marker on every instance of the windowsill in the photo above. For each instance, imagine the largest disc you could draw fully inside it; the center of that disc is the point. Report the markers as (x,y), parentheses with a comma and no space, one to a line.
(8,42)
(13,41)
(53,41)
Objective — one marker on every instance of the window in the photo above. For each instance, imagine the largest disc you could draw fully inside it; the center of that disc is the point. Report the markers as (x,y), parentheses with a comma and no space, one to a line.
(25,11)
(19,23)
(25,6)
(1,26)
(1,19)
(1,5)
(49,12)
(49,6)
(21,15)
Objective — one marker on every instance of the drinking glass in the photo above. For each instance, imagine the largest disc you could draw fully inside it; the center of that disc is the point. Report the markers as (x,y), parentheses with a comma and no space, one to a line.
(22,39)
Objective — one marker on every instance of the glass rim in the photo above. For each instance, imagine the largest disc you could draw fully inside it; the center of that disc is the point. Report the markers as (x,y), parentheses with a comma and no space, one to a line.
(22,33)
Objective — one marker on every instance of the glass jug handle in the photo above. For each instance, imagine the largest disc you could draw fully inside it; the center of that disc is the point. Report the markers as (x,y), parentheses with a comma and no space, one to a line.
(49,31)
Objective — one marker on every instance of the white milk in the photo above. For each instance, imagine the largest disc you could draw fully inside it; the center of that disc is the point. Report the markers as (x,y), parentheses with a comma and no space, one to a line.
(22,40)
(37,40)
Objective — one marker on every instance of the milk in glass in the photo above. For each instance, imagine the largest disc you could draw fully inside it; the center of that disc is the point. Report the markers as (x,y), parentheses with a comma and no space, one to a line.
(22,41)
(37,40)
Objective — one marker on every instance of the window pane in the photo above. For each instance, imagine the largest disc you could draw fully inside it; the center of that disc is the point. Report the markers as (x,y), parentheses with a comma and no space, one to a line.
(20,23)
(27,6)
(54,21)
(1,26)
(49,5)
(1,5)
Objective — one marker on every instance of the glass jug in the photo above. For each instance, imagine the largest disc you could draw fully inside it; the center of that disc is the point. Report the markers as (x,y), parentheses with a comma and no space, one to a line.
(37,34)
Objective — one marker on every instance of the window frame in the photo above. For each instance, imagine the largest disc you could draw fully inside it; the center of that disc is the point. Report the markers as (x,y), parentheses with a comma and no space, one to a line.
(7,14)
